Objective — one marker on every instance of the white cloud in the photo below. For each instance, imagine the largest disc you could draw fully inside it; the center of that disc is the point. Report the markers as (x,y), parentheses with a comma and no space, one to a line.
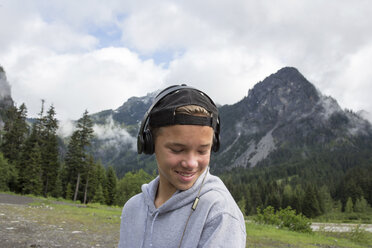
(95,80)
(65,128)
(91,54)
(114,136)
(224,74)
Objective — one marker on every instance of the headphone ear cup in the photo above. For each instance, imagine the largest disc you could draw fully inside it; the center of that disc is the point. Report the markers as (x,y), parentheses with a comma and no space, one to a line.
(148,142)
(216,142)
(140,144)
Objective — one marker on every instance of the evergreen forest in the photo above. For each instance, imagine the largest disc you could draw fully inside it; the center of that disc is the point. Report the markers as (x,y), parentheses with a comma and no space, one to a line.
(31,162)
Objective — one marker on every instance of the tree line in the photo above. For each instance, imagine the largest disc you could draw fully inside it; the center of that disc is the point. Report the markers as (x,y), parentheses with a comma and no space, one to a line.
(31,162)
(338,181)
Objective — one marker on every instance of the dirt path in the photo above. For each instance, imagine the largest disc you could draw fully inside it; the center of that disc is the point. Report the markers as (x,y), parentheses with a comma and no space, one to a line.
(339,227)
(22,225)
(15,199)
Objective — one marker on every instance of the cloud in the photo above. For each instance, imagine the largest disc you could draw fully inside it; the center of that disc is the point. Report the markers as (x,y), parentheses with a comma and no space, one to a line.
(114,135)
(95,80)
(224,74)
(94,54)
(65,128)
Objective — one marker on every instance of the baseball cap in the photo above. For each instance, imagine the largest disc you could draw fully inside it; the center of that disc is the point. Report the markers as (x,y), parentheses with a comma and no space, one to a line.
(164,112)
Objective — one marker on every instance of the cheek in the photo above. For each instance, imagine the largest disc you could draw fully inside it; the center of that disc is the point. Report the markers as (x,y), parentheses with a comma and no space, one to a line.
(204,161)
(168,160)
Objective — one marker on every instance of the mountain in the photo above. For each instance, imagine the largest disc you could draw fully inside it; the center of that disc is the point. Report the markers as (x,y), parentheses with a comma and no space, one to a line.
(6,100)
(283,117)
(116,136)
(285,112)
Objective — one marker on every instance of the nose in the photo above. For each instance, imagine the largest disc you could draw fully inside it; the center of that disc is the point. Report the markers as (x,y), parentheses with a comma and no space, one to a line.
(190,161)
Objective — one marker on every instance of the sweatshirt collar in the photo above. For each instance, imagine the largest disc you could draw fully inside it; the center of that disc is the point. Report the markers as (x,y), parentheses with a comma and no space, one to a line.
(179,199)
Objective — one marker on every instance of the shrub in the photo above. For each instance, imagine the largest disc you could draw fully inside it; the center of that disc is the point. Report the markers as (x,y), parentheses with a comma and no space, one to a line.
(359,235)
(284,218)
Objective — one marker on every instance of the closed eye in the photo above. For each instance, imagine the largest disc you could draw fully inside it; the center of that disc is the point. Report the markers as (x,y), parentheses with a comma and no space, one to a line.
(176,151)
(203,152)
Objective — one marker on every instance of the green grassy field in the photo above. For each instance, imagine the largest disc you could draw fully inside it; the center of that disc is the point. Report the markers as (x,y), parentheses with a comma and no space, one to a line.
(107,219)
(102,220)
(270,236)
(98,218)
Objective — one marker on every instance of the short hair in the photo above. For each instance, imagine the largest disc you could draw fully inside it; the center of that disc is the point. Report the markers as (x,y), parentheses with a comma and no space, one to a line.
(193,110)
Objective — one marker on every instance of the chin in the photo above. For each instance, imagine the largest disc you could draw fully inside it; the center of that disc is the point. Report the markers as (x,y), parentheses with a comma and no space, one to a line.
(185,187)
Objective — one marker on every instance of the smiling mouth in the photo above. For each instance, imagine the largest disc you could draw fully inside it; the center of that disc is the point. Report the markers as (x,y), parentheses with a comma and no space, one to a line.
(185,174)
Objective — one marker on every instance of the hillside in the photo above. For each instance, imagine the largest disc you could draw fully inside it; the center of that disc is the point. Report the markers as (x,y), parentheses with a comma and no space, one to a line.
(285,112)
(282,117)
(5,96)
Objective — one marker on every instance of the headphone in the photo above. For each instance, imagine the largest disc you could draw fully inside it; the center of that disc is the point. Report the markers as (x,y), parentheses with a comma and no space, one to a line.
(145,141)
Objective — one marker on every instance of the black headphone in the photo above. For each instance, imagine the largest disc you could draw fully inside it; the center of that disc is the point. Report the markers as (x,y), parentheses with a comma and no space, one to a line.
(145,142)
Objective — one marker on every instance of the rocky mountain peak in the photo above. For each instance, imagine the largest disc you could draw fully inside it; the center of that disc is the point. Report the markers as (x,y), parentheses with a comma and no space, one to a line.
(282,117)
(284,110)
(283,92)
(4,85)
(5,96)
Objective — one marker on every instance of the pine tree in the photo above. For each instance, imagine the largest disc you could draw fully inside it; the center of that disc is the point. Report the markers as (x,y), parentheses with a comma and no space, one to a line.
(49,147)
(57,190)
(8,174)
(98,196)
(349,205)
(74,159)
(361,205)
(77,153)
(69,191)
(89,173)
(242,205)
(298,199)
(287,196)
(111,186)
(326,202)
(97,177)
(310,206)
(30,175)
(15,133)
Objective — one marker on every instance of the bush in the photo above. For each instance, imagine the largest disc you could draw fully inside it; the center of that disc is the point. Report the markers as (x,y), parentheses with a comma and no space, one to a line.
(8,174)
(284,218)
(359,235)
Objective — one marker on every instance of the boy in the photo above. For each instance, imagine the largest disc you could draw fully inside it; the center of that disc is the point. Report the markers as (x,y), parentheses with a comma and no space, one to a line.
(184,206)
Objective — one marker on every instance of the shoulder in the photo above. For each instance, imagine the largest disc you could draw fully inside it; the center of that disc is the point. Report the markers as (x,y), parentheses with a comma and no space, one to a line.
(134,203)
(216,193)
(222,205)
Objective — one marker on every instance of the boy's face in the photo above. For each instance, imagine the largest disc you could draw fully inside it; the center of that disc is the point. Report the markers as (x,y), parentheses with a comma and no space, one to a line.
(182,153)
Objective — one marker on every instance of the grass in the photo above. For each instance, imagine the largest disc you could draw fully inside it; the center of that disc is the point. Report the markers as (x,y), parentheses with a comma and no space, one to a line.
(101,219)
(104,220)
(95,217)
(270,236)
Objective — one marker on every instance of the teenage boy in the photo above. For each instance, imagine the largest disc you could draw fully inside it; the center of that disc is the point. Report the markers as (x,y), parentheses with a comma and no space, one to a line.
(185,206)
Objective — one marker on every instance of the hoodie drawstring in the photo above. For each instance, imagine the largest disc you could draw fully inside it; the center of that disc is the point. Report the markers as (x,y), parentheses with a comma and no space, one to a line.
(147,216)
(152,227)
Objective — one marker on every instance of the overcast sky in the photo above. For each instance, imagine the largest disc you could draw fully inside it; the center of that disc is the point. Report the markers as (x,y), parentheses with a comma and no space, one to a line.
(96,54)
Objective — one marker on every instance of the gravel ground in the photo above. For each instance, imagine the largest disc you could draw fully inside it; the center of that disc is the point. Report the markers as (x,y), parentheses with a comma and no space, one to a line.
(22,225)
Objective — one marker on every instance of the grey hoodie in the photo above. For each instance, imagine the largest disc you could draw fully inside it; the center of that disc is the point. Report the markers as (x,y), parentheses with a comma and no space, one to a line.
(216,222)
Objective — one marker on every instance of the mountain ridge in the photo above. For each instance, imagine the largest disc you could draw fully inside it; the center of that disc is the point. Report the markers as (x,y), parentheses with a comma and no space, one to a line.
(282,112)
(283,117)
(284,109)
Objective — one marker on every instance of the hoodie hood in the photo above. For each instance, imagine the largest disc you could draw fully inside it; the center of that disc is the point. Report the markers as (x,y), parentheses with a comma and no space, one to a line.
(179,199)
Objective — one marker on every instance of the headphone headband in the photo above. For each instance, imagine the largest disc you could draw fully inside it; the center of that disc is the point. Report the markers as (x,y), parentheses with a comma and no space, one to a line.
(145,143)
